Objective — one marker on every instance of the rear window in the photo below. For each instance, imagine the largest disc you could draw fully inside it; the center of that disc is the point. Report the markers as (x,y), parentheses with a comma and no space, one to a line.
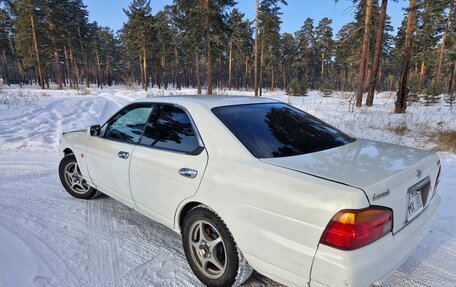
(279,130)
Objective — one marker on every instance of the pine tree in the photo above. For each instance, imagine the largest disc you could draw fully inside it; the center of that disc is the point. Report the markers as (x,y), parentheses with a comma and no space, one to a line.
(6,30)
(288,51)
(429,21)
(346,56)
(240,42)
(30,35)
(269,25)
(378,53)
(401,100)
(138,32)
(451,15)
(324,44)
(364,53)
(305,52)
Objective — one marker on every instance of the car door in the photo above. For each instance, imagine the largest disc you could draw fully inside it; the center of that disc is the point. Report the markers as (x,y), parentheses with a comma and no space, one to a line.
(167,165)
(108,156)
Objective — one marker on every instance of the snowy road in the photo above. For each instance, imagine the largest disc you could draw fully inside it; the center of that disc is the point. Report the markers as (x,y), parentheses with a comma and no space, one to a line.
(51,239)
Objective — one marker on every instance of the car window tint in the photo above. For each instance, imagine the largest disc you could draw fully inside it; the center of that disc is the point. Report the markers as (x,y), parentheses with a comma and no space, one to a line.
(128,124)
(170,128)
(278,130)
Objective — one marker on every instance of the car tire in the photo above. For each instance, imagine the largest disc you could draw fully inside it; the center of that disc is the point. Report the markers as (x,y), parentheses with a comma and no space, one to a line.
(211,251)
(72,179)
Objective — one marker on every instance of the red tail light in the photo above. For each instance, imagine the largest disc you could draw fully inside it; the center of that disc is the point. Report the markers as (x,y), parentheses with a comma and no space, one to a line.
(352,229)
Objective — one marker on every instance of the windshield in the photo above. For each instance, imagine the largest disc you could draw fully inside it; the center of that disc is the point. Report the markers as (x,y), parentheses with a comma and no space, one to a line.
(279,130)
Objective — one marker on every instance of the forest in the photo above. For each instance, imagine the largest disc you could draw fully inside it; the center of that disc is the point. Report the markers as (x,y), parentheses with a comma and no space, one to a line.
(211,45)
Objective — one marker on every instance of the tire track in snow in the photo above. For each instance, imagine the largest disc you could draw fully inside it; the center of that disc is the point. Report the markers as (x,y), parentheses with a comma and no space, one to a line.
(43,250)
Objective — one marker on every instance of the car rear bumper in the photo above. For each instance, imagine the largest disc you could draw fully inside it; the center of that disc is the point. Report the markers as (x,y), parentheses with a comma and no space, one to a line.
(373,263)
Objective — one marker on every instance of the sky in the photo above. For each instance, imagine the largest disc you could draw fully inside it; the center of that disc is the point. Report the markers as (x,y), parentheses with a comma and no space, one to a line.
(110,13)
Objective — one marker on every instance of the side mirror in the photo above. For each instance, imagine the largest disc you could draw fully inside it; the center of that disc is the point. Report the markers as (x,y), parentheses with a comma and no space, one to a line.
(95,130)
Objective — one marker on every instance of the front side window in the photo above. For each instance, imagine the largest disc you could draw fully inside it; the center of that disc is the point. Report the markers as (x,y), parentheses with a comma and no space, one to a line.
(279,130)
(170,127)
(128,124)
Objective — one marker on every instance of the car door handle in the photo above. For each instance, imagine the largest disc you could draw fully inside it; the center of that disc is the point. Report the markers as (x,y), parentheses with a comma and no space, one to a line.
(188,172)
(123,154)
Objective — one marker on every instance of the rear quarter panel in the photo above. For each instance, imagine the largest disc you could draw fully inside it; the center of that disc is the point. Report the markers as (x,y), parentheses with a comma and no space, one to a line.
(276,215)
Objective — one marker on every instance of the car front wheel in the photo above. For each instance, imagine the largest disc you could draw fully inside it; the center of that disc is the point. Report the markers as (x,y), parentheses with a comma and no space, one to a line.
(72,179)
(211,251)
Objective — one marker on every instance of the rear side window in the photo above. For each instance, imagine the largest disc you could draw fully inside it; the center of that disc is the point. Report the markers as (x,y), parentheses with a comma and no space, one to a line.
(170,127)
(279,130)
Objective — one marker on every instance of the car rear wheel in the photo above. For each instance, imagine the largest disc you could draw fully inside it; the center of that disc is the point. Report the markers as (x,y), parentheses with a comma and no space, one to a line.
(72,179)
(211,251)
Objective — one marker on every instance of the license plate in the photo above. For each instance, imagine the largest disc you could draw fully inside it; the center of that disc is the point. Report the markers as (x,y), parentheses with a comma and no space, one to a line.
(414,204)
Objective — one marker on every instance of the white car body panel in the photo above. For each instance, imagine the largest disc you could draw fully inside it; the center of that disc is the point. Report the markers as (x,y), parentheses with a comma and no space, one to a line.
(76,143)
(277,228)
(156,184)
(107,171)
(372,166)
(276,209)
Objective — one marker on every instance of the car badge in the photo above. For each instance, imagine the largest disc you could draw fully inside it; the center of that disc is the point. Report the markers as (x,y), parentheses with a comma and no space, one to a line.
(381,195)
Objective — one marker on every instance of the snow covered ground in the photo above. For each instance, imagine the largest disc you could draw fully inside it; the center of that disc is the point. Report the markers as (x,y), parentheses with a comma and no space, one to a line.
(48,238)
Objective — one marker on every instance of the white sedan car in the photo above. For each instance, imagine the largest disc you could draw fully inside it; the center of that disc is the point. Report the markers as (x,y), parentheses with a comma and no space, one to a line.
(253,183)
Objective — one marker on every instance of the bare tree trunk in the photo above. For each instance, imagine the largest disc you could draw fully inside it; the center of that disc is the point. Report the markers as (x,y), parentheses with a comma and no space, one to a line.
(17,62)
(209,66)
(246,71)
(85,59)
(58,71)
(451,80)
(68,68)
(345,78)
(208,49)
(422,70)
(131,77)
(366,80)
(75,68)
(442,46)
(37,53)
(176,62)
(108,71)
(219,72)
(4,65)
(198,79)
(163,65)
(306,67)
(261,66)
(255,52)
(229,65)
(272,80)
(377,54)
(379,79)
(99,80)
(364,54)
(402,93)
(322,71)
(141,78)
(146,80)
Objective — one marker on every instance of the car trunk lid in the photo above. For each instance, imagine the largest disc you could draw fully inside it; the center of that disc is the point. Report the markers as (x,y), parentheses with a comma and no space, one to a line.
(387,173)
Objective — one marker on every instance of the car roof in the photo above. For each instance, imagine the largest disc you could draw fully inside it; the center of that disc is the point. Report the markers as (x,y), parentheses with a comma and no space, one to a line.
(208,102)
